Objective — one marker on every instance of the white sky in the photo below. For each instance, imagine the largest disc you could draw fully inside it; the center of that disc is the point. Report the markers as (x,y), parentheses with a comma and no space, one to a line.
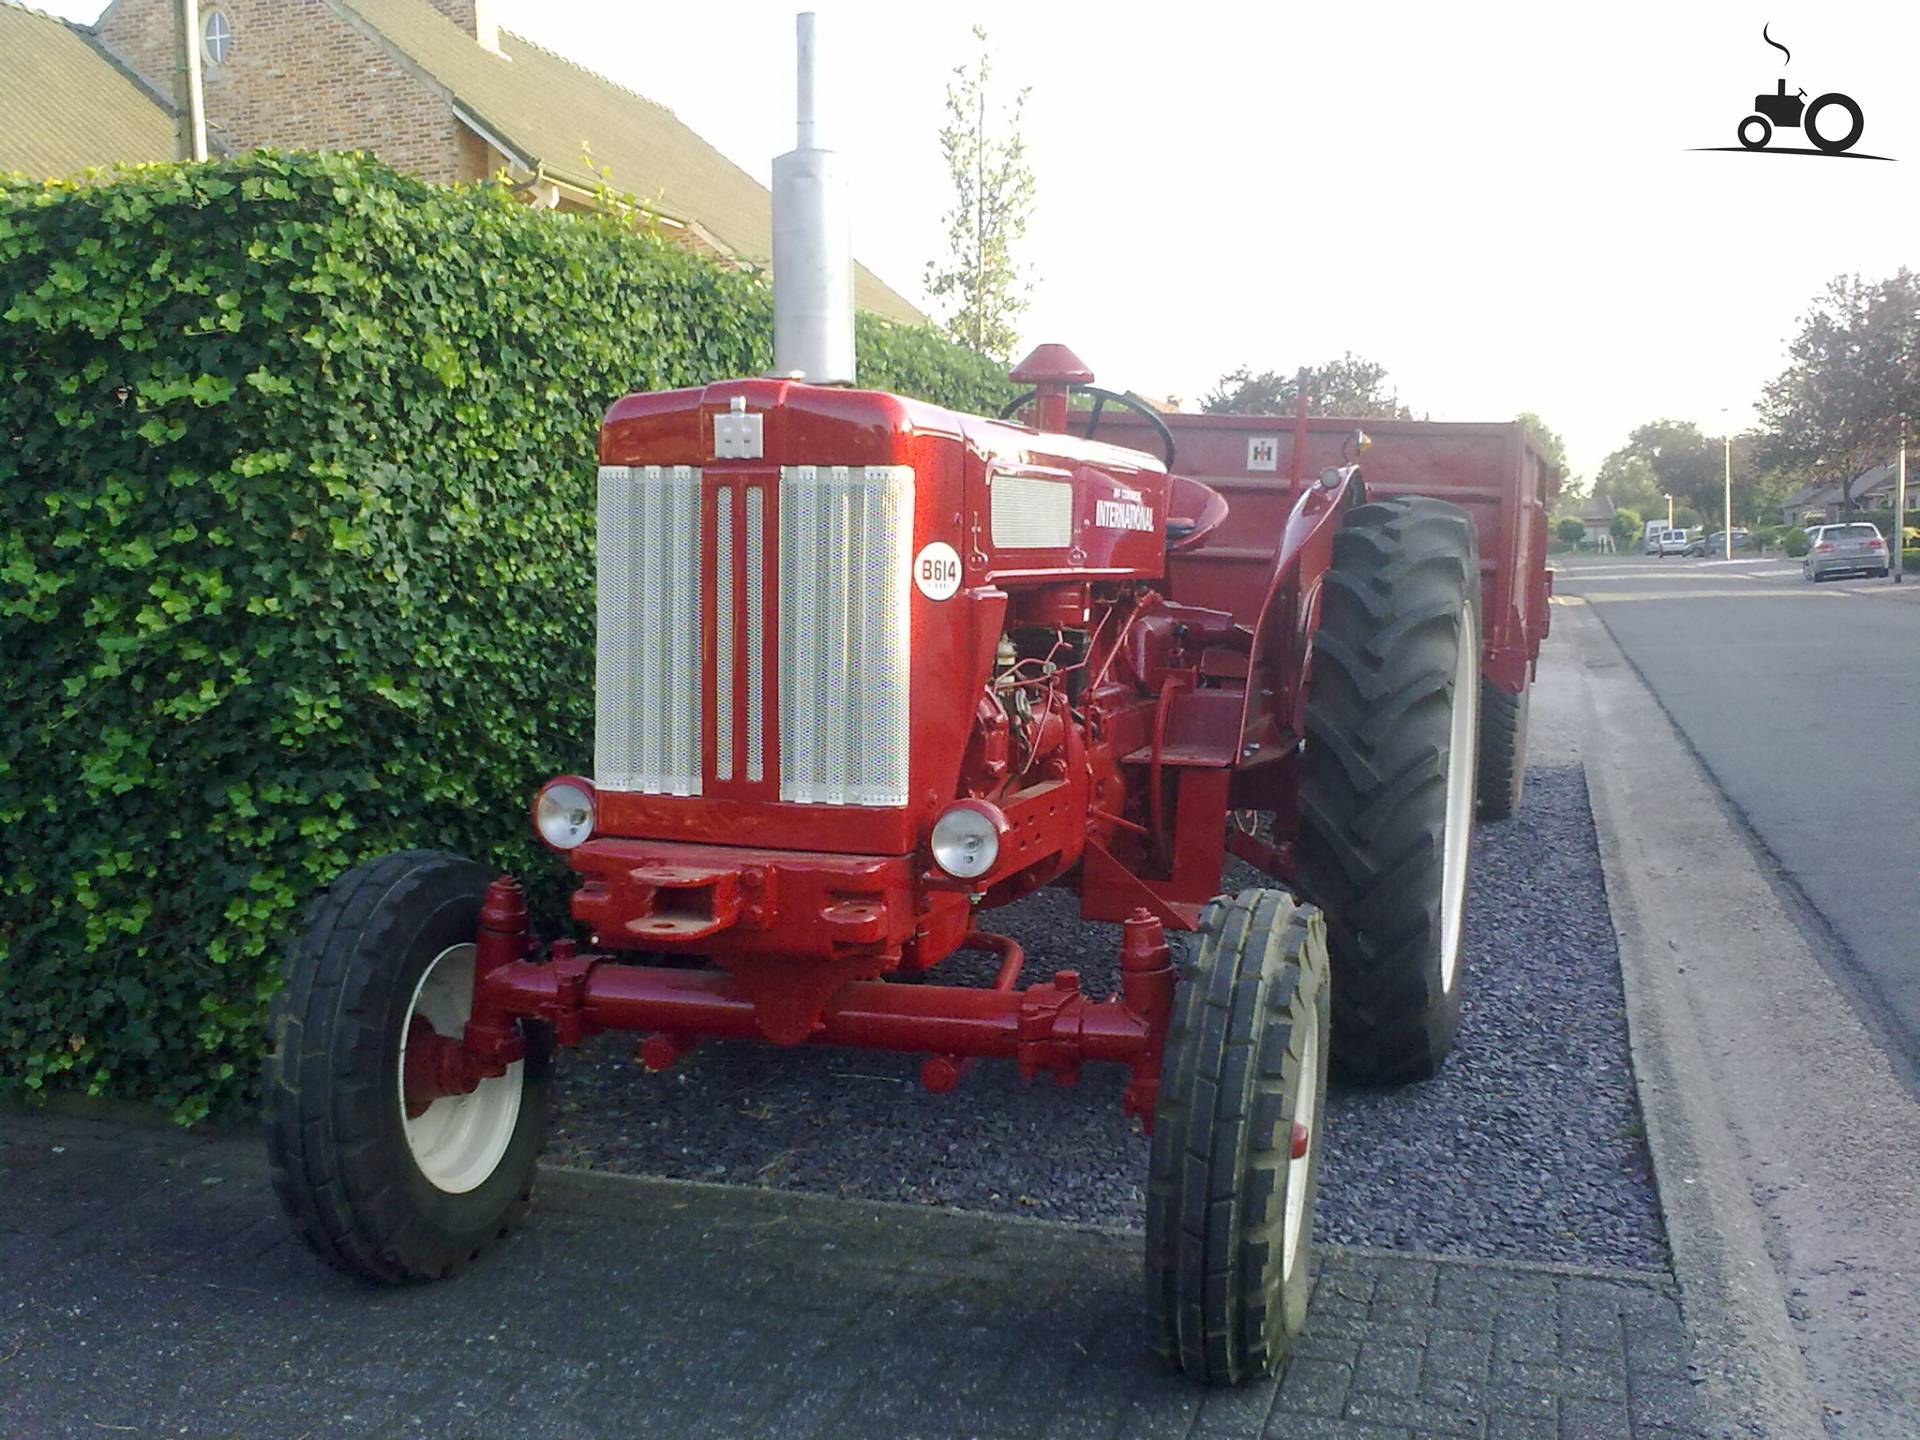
(1496,202)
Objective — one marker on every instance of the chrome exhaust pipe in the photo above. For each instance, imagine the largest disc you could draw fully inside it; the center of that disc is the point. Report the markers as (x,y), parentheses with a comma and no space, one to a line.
(812,248)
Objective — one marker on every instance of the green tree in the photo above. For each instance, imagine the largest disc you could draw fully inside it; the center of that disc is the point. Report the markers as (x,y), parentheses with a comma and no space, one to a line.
(1852,381)
(1349,386)
(1625,526)
(1687,463)
(1570,530)
(1548,439)
(1662,458)
(979,279)
(1764,487)
(1627,478)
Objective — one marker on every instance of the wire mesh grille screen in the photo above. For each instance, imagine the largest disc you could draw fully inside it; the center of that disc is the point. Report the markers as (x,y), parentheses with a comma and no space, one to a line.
(845,538)
(1031,514)
(647,717)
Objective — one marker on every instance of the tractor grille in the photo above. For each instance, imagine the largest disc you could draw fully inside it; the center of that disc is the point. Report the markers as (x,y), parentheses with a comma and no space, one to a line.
(834,555)
(846,535)
(647,723)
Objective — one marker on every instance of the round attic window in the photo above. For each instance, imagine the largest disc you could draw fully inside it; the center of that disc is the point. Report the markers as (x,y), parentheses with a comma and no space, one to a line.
(218,36)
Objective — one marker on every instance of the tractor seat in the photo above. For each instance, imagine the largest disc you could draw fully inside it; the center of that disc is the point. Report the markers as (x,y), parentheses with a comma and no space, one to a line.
(1194,511)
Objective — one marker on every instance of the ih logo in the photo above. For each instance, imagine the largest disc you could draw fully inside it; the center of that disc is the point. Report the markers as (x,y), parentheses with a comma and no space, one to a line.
(1833,122)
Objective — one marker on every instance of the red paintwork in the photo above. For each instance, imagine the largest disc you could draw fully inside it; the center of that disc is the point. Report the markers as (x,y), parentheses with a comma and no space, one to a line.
(1148,691)
(1051,364)
(1053,1027)
(952,641)
(1052,371)
(1492,470)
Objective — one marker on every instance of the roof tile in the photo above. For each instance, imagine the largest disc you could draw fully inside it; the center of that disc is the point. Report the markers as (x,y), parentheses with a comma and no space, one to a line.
(65,105)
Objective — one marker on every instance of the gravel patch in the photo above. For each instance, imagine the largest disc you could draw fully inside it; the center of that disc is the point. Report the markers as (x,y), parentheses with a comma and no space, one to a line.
(1527,1146)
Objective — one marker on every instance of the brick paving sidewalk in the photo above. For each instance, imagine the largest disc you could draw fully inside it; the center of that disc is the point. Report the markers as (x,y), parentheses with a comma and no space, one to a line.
(148,1285)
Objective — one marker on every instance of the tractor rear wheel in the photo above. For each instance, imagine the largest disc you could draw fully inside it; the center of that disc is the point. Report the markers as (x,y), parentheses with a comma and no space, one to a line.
(1503,749)
(1388,780)
(1236,1141)
(374,1190)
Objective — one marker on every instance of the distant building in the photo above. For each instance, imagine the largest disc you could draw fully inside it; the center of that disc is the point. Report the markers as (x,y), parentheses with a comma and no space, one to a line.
(1803,504)
(1597,516)
(1826,501)
(434,87)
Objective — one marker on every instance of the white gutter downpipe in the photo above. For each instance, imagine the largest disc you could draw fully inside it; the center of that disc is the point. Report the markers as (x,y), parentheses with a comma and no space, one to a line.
(812,249)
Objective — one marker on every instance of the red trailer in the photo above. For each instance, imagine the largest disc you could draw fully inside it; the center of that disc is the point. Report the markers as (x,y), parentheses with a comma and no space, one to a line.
(1493,471)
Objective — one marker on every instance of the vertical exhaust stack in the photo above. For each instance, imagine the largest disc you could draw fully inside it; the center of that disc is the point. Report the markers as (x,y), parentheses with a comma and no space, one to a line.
(812,249)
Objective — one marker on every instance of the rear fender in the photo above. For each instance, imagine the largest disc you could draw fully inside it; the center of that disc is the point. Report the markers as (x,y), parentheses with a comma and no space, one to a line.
(1274,714)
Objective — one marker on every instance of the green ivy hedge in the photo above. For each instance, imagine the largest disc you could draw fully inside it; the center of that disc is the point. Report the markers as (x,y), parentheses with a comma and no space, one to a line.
(296,469)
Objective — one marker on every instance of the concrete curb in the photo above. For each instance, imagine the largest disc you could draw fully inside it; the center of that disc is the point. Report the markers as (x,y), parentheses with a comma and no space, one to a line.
(614,1179)
(1731,1292)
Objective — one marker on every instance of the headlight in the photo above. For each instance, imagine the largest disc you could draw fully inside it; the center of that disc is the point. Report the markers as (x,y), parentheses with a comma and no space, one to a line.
(966,839)
(563,812)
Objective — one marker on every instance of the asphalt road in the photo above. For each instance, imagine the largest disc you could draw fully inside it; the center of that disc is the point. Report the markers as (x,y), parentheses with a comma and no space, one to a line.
(1803,703)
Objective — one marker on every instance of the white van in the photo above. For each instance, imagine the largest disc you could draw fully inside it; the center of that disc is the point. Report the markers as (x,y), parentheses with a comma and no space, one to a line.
(1668,542)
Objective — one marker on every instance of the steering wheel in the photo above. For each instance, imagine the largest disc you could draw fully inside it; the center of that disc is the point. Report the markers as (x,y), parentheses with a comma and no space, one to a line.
(1100,399)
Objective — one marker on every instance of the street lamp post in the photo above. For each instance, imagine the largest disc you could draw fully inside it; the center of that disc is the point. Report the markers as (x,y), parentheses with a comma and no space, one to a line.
(1900,512)
(1900,480)
(1727,534)
(1669,512)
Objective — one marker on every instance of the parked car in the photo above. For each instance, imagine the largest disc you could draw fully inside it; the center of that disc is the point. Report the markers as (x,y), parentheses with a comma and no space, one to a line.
(1716,543)
(1667,542)
(1852,549)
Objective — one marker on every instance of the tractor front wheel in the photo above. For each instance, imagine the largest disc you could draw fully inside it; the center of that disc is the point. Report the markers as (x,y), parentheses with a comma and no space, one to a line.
(1236,1141)
(1388,780)
(378,1186)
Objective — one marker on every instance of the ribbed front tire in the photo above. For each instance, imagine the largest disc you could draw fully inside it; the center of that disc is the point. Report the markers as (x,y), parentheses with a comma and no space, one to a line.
(1388,780)
(1229,1206)
(374,1191)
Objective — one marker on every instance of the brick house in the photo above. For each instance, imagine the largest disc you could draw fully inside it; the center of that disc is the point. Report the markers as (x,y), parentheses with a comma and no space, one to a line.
(434,87)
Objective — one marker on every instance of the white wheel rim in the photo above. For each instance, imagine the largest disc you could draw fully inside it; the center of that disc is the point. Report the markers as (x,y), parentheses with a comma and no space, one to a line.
(1306,1094)
(458,1140)
(1462,750)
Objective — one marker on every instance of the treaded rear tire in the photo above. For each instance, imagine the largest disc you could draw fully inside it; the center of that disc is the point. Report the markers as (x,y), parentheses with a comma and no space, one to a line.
(1249,1027)
(1398,604)
(1503,749)
(335,1128)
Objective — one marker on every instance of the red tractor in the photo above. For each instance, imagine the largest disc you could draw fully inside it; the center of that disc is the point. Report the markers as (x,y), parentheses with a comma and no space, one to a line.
(868,668)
